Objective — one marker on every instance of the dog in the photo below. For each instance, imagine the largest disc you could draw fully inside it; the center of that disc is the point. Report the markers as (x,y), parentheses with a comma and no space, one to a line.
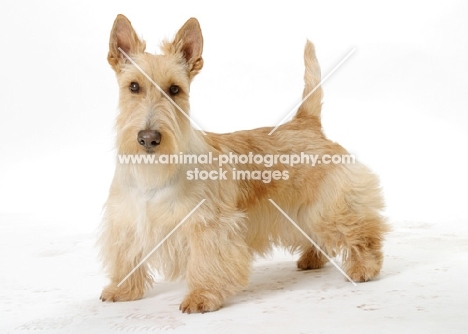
(338,205)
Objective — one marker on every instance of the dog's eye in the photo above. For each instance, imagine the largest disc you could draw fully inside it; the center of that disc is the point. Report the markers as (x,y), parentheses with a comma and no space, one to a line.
(174,90)
(134,87)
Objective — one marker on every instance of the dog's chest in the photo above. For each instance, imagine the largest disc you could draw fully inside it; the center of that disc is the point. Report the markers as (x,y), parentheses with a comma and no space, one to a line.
(157,210)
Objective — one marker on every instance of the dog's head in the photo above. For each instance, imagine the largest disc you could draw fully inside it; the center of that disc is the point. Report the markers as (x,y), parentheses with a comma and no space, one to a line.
(154,89)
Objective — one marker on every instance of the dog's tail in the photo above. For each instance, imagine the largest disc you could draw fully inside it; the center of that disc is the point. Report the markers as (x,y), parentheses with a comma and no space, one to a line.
(312,96)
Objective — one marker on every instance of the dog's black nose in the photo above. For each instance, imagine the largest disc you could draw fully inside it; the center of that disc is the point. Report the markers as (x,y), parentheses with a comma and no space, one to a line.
(149,138)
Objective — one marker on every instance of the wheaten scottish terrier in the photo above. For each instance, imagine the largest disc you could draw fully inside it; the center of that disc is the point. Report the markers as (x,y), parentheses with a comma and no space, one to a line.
(337,205)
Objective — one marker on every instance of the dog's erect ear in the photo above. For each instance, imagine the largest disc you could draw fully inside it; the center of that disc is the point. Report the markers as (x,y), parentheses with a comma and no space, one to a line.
(189,42)
(123,36)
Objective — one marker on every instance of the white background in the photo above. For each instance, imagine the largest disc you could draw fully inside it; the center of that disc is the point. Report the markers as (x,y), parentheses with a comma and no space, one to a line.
(399,103)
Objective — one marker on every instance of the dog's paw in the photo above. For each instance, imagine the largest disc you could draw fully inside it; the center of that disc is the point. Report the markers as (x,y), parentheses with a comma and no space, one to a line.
(364,267)
(113,293)
(311,259)
(200,302)
(362,274)
(307,264)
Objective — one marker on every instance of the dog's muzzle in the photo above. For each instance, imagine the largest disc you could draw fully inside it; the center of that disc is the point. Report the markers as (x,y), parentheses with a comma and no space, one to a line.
(149,138)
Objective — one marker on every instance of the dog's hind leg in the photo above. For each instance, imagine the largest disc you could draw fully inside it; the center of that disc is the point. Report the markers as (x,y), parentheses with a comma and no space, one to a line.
(363,255)
(355,214)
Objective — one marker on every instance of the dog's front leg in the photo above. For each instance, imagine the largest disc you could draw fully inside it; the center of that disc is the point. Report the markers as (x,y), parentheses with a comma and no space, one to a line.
(122,248)
(132,288)
(218,267)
